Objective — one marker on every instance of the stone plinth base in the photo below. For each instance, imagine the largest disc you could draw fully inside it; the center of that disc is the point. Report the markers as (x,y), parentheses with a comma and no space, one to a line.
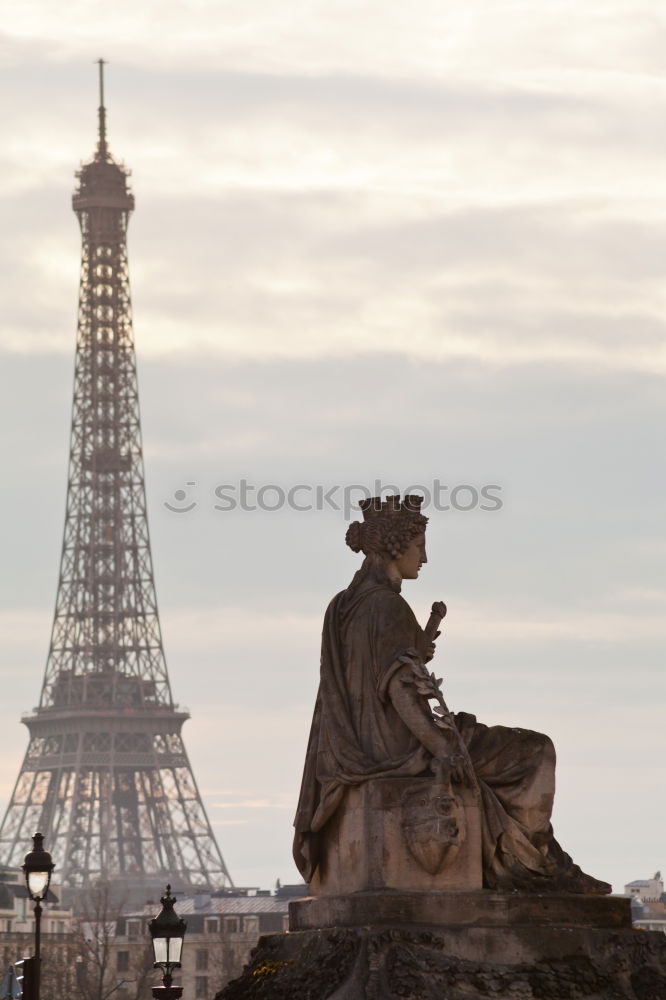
(459,909)
(456,946)
(391,833)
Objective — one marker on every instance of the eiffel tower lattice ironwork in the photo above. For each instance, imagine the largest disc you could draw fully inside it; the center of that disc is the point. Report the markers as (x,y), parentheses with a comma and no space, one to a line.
(106,777)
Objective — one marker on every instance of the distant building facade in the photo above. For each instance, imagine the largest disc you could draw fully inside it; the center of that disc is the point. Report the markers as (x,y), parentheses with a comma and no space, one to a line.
(222,929)
(107,951)
(648,903)
(17,935)
(647,889)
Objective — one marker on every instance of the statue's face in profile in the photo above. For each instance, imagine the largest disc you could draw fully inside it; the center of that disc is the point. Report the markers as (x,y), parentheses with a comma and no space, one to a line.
(411,560)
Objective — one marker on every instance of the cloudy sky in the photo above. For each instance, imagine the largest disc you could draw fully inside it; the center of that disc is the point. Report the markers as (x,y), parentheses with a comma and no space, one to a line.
(405,241)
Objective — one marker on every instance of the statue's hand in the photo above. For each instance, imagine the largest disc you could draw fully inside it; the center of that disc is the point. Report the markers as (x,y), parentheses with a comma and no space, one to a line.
(462,772)
(453,767)
(430,648)
(442,768)
(448,768)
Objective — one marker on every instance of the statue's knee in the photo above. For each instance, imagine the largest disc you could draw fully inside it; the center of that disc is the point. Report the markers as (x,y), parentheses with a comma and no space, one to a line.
(540,746)
(548,749)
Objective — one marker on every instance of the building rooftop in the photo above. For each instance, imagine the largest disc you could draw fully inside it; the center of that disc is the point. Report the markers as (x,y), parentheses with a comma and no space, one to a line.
(655,907)
(9,891)
(216,905)
(234,904)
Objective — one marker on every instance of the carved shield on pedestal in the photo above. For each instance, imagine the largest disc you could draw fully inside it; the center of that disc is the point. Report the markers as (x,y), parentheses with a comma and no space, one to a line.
(433,825)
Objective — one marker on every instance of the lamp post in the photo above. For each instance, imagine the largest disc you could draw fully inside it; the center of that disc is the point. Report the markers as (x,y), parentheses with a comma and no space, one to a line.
(37,868)
(167,930)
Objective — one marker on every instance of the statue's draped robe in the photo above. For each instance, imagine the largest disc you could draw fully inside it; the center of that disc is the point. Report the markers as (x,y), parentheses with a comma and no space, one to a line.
(357,734)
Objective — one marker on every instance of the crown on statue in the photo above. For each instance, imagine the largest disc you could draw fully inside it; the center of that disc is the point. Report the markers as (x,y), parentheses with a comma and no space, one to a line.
(391,506)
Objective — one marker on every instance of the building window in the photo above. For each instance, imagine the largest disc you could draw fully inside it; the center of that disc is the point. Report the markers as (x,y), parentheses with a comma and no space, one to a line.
(202,959)
(212,926)
(201,987)
(231,925)
(122,961)
(251,925)
(133,928)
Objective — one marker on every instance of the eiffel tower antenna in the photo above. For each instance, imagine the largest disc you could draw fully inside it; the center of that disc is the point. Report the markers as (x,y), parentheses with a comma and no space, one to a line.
(106,777)
(101,112)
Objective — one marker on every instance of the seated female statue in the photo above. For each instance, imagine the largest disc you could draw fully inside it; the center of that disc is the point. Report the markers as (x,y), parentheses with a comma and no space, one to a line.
(373,719)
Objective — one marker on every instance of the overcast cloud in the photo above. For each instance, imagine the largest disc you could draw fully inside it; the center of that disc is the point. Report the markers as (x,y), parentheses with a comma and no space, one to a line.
(371,240)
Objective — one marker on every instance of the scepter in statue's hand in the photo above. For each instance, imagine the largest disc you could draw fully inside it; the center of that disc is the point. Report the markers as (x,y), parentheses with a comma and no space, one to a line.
(431,631)
(437,613)
(442,717)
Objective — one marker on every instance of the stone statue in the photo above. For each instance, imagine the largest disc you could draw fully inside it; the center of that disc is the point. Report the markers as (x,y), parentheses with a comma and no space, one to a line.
(394,793)
(425,836)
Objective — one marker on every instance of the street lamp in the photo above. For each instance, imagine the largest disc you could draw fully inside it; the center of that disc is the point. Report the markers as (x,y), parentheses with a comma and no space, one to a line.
(167,931)
(37,868)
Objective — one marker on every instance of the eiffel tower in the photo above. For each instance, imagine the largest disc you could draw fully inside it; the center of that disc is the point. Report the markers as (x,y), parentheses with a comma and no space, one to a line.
(106,777)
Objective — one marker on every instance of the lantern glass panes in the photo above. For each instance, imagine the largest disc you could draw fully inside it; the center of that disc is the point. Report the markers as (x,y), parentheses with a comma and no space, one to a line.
(161,950)
(167,950)
(175,948)
(37,869)
(167,930)
(37,883)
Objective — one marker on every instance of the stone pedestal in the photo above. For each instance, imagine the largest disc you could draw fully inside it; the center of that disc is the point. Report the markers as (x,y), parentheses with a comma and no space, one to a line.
(456,946)
(459,910)
(401,833)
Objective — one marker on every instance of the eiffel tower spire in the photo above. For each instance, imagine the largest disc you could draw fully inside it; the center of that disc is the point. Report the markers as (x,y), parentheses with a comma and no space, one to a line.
(102,151)
(106,777)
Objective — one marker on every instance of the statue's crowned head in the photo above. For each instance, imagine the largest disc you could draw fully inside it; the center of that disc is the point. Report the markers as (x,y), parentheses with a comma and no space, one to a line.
(388,526)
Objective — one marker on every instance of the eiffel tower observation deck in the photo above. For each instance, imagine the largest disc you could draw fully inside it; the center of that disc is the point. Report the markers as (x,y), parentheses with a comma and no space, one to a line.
(106,777)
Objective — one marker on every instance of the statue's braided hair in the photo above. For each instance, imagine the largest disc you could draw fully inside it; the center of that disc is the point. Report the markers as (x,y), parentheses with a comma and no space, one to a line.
(388,526)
